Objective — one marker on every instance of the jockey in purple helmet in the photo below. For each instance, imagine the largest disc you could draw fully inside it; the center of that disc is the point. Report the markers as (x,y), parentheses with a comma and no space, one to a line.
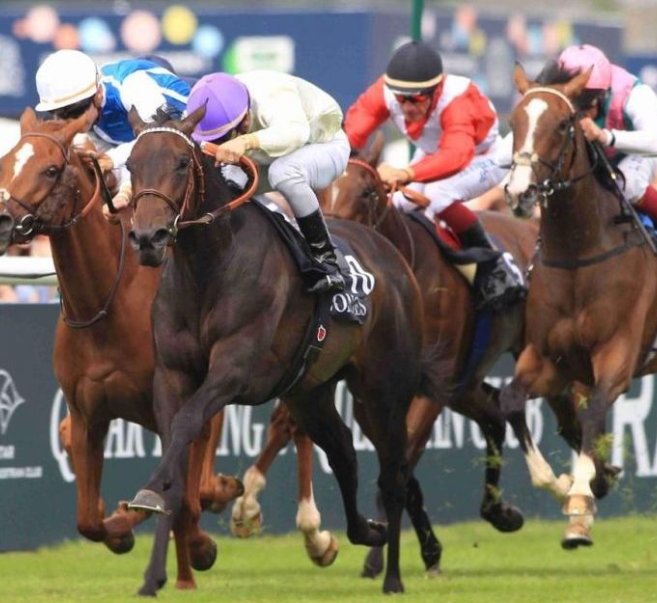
(621,114)
(293,129)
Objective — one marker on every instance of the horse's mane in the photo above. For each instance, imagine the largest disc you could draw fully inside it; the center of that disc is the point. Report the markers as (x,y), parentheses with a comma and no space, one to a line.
(554,74)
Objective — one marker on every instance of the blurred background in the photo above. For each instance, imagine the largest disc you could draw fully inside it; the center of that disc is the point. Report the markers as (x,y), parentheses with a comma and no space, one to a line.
(342,46)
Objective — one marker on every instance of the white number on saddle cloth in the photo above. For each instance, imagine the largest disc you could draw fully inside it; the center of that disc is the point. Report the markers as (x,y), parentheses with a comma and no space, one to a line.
(511,263)
(352,302)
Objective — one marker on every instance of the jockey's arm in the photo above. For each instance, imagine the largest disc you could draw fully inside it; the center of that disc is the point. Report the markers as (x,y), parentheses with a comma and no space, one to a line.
(641,108)
(366,115)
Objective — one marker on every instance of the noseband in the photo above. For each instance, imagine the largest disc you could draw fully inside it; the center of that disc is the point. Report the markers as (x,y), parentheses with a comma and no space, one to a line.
(195,172)
(31,223)
(558,180)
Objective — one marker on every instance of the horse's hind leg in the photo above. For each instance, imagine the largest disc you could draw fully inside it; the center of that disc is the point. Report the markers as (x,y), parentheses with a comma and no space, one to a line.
(321,545)
(318,417)
(482,405)
(246,516)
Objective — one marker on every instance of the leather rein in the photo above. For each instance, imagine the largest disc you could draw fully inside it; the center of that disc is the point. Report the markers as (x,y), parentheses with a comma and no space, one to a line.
(195,173)
(414,196)
(31,224)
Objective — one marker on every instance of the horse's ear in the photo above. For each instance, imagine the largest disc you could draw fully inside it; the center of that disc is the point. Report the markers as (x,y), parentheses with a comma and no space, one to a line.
(136,122)
(575,86)
(29,120)
(78,125)
(373,154)
(520,79)
(188,124)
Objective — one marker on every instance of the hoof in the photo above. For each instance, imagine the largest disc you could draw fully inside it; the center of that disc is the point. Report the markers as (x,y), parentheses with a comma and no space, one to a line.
(579,504)
(203,556)
(120,545)
(433,572)
(393,585)
(245,528)
(369,533)
(329,555)
(150,590)
(573,540)
(503,517)
(185,585)
(150,501)
(373,565)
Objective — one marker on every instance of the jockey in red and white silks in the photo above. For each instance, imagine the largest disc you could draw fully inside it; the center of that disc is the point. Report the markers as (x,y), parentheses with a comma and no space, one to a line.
(454,128)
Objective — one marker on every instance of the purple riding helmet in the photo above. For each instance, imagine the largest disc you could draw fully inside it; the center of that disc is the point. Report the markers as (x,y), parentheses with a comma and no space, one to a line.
(226,100)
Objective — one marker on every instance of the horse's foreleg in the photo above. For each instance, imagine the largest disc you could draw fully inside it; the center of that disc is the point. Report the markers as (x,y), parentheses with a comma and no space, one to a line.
(216,490)
(202,549)
(246,516)
(321,545)
(513,399)
(86,445)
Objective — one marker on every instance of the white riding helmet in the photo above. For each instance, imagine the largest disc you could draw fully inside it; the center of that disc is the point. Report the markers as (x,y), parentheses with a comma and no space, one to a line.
(65,78)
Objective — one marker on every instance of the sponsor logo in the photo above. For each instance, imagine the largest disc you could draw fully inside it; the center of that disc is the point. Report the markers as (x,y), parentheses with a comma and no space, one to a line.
(10,400)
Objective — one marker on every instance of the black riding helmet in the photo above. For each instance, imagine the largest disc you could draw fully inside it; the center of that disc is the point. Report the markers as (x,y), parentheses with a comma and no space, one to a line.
(415,68)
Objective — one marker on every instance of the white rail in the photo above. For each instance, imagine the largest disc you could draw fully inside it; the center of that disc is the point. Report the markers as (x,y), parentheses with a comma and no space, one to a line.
(27,271)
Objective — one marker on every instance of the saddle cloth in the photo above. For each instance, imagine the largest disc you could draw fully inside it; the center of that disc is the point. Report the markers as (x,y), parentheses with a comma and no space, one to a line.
(352,304)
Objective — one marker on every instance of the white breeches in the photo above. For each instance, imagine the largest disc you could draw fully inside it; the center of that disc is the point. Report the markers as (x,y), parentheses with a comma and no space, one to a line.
(639,172)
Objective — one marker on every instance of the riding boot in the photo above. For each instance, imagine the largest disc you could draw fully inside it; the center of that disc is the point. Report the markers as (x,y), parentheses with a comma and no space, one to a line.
(313,228)
(498,282)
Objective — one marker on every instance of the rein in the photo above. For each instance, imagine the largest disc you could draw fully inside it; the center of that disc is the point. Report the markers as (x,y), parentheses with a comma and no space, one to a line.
(31,223)
(375,224)
(103,312)
(195,172)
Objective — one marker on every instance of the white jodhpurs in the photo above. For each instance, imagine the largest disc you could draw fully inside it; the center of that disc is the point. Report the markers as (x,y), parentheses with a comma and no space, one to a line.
(480,175)
(639,172)
(299,174)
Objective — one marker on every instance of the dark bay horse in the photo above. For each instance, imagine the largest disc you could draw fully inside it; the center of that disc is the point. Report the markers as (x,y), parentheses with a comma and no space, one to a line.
(592,308)
(231,315)
(103,350)
(359,195)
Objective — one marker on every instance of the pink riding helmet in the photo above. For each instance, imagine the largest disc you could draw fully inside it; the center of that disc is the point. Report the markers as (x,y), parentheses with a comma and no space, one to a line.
(580,58)
(226,100)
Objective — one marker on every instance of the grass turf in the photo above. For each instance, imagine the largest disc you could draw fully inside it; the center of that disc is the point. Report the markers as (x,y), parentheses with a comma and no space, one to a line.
(479,565)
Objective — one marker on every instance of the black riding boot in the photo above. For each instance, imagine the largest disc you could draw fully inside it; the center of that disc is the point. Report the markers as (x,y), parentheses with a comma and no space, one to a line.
(498,282)
(313,228)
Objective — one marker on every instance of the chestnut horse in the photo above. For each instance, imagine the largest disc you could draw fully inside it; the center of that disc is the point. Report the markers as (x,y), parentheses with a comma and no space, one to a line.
(103,350)
(592,308)
(232,315)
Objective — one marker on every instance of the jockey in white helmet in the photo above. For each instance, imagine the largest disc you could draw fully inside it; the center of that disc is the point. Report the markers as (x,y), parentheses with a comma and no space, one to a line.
(69,83)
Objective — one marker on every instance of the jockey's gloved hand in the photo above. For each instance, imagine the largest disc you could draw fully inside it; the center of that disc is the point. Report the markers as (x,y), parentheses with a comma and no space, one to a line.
(120,201)
(393,176)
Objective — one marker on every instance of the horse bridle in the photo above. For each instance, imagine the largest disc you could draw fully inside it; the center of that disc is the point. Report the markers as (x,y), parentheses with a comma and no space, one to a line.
(195,172)
(557,181)
(31,223)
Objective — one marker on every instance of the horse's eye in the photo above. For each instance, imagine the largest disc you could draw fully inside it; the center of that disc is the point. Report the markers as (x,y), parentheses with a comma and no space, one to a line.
(370,191)
(564,126)
(52,171)
(128,166)
(183,163)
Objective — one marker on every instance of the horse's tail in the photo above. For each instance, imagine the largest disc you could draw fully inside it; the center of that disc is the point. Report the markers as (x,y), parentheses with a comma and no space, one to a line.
(436,373)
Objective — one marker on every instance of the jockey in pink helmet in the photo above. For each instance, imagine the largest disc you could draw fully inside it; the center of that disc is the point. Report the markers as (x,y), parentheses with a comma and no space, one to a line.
(293,129)
(621,114)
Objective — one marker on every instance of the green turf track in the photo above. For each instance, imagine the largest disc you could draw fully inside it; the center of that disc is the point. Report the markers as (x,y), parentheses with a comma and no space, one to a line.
(479,565)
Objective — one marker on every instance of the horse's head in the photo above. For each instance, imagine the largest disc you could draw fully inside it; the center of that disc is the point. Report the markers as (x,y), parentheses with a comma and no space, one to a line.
(39,188)
(358,194)
(544,125)
(167,179)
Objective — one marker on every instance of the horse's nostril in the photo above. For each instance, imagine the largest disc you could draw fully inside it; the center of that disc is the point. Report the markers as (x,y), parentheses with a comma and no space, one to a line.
(161,237)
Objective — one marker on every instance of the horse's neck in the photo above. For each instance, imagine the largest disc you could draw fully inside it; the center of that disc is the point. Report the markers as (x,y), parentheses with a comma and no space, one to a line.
(394,227)
(578,221)
(87,257)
